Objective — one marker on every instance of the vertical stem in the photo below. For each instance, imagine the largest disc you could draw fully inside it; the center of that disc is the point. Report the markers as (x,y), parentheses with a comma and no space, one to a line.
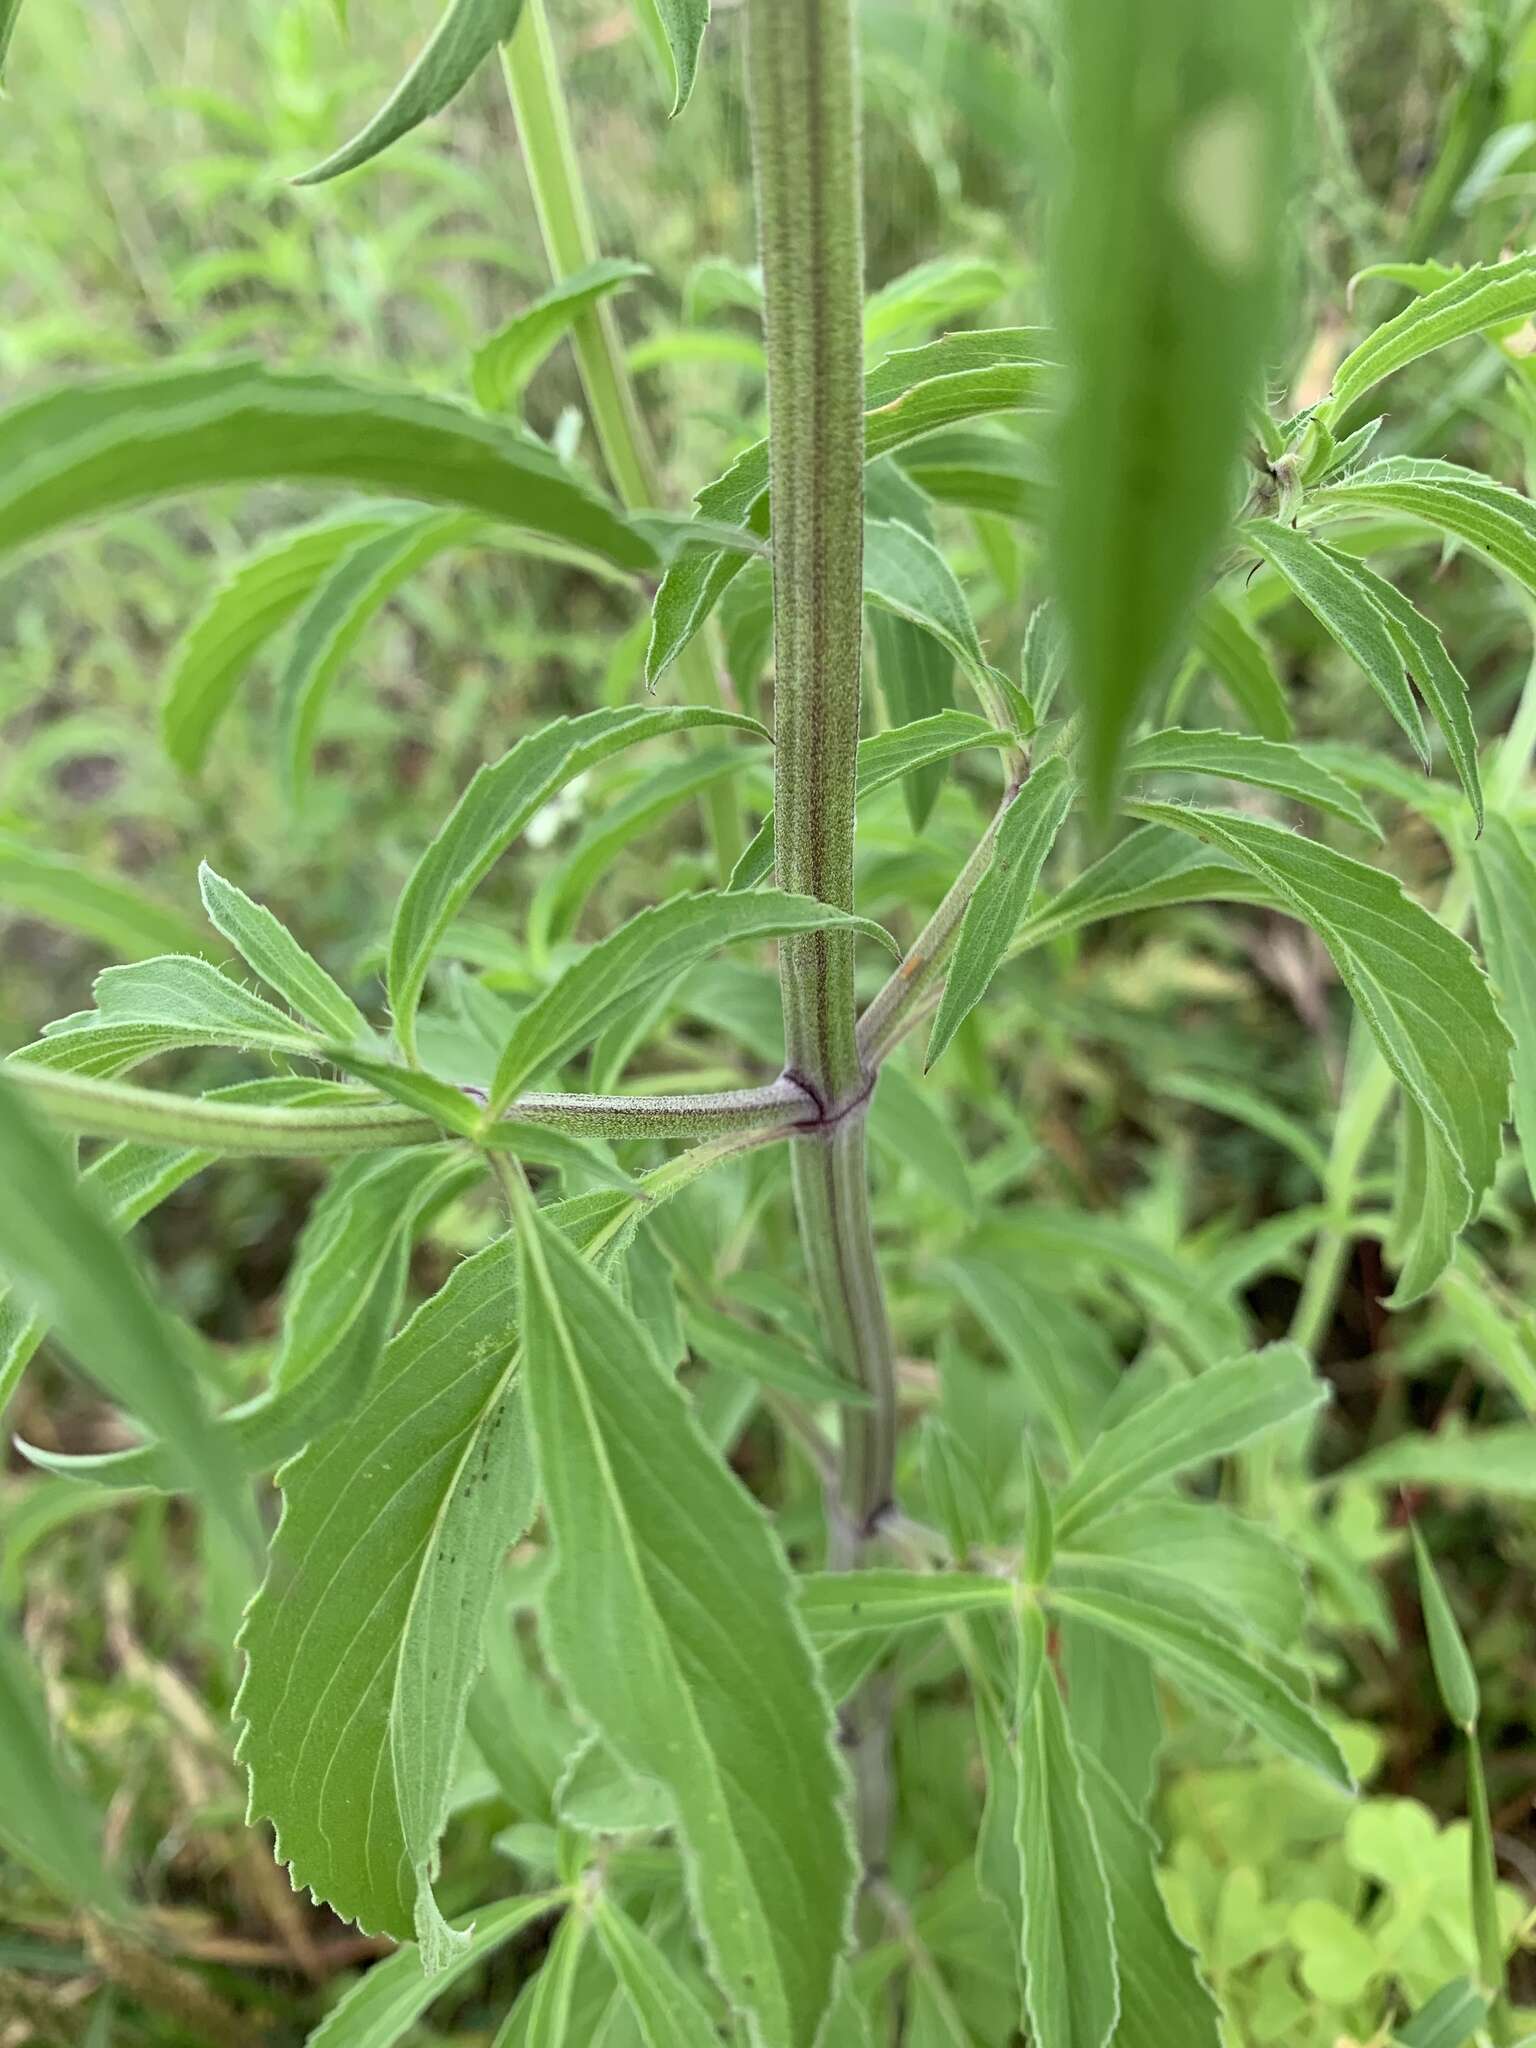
(803,94)
(802,89)
(570,242)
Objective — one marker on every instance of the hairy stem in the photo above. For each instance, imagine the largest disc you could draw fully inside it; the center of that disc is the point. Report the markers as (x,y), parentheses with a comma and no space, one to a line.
(117,1109)
(570,243)
(802,90)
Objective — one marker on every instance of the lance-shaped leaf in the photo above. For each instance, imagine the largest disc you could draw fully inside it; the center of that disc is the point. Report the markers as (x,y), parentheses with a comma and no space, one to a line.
(912,393)
(885,757)
(365,1638)
(1487,295)
(931,295)
(1025,837)
(1163,1997)
(1228,645)
(879,1602)
(904,573)
(1177,124)
(681,24)
(652,949)
(467,33)
(916,678)
(1505,875)
(1148,870)
(341,608)
(491,813)
(1418,987)
(10,10)
(190,998)
(1498,522)
(1454,1675)
(1188,1425)
(69,1264)
(1242,757)
(1233,1561)
(1190,1639)
(503,365)
(1500,1462)
(1339,599)
(267,946)
(253,604)
(104,446)
(1071,1979)
(1449,2020)
(40,883)
(46,1821)
(387,2000)
(736,1347)
(666,2012)
(670,1618)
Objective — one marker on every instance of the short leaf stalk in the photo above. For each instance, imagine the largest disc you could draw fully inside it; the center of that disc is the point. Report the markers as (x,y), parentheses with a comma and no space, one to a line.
(803,94)
(570,243)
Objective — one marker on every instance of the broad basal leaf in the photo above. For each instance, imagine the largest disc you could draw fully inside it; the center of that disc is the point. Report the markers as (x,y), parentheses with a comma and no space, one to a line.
(1487,295)
(366,1635)
(652,949)
(1167,271)
(1189,1424)
(253,604)
(100,447)
(1024,838)
(670,1618)
(270,949)
(467,33)
(491,813)
(1418,987)
(503,365)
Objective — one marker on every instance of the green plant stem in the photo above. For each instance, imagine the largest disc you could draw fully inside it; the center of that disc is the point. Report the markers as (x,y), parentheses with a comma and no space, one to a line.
(802,89)
(570,242)
(116,1109)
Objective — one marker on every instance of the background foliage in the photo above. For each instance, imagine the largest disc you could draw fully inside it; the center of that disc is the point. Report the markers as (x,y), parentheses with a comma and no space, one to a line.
(1120,1096)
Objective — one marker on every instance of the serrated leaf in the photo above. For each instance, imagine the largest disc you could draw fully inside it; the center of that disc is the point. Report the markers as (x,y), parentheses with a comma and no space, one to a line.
(252,604)
(1505,876)
(384,2004)
(1188,1425)
(1329,585)
(465,36)
(715,1694)
(1418,987)
(104,446)
(1487,295)
(1002,896)
(1498,522)
(1163,1996)
(46,1821)
(1071,1980)
(1229,646)
(666,2012)
(1429,1207)
(68,1264)
(491,813)
(883,758)
(930,294)
(653,948)
(343,604)
(912,393)
(1242,757)
(1148,870)
(882,1600)
(270,950)
(1177,127)
(190,998)
(503,365)
(1203,1656)
(1454,1675)
(365,1638)
(37,882)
